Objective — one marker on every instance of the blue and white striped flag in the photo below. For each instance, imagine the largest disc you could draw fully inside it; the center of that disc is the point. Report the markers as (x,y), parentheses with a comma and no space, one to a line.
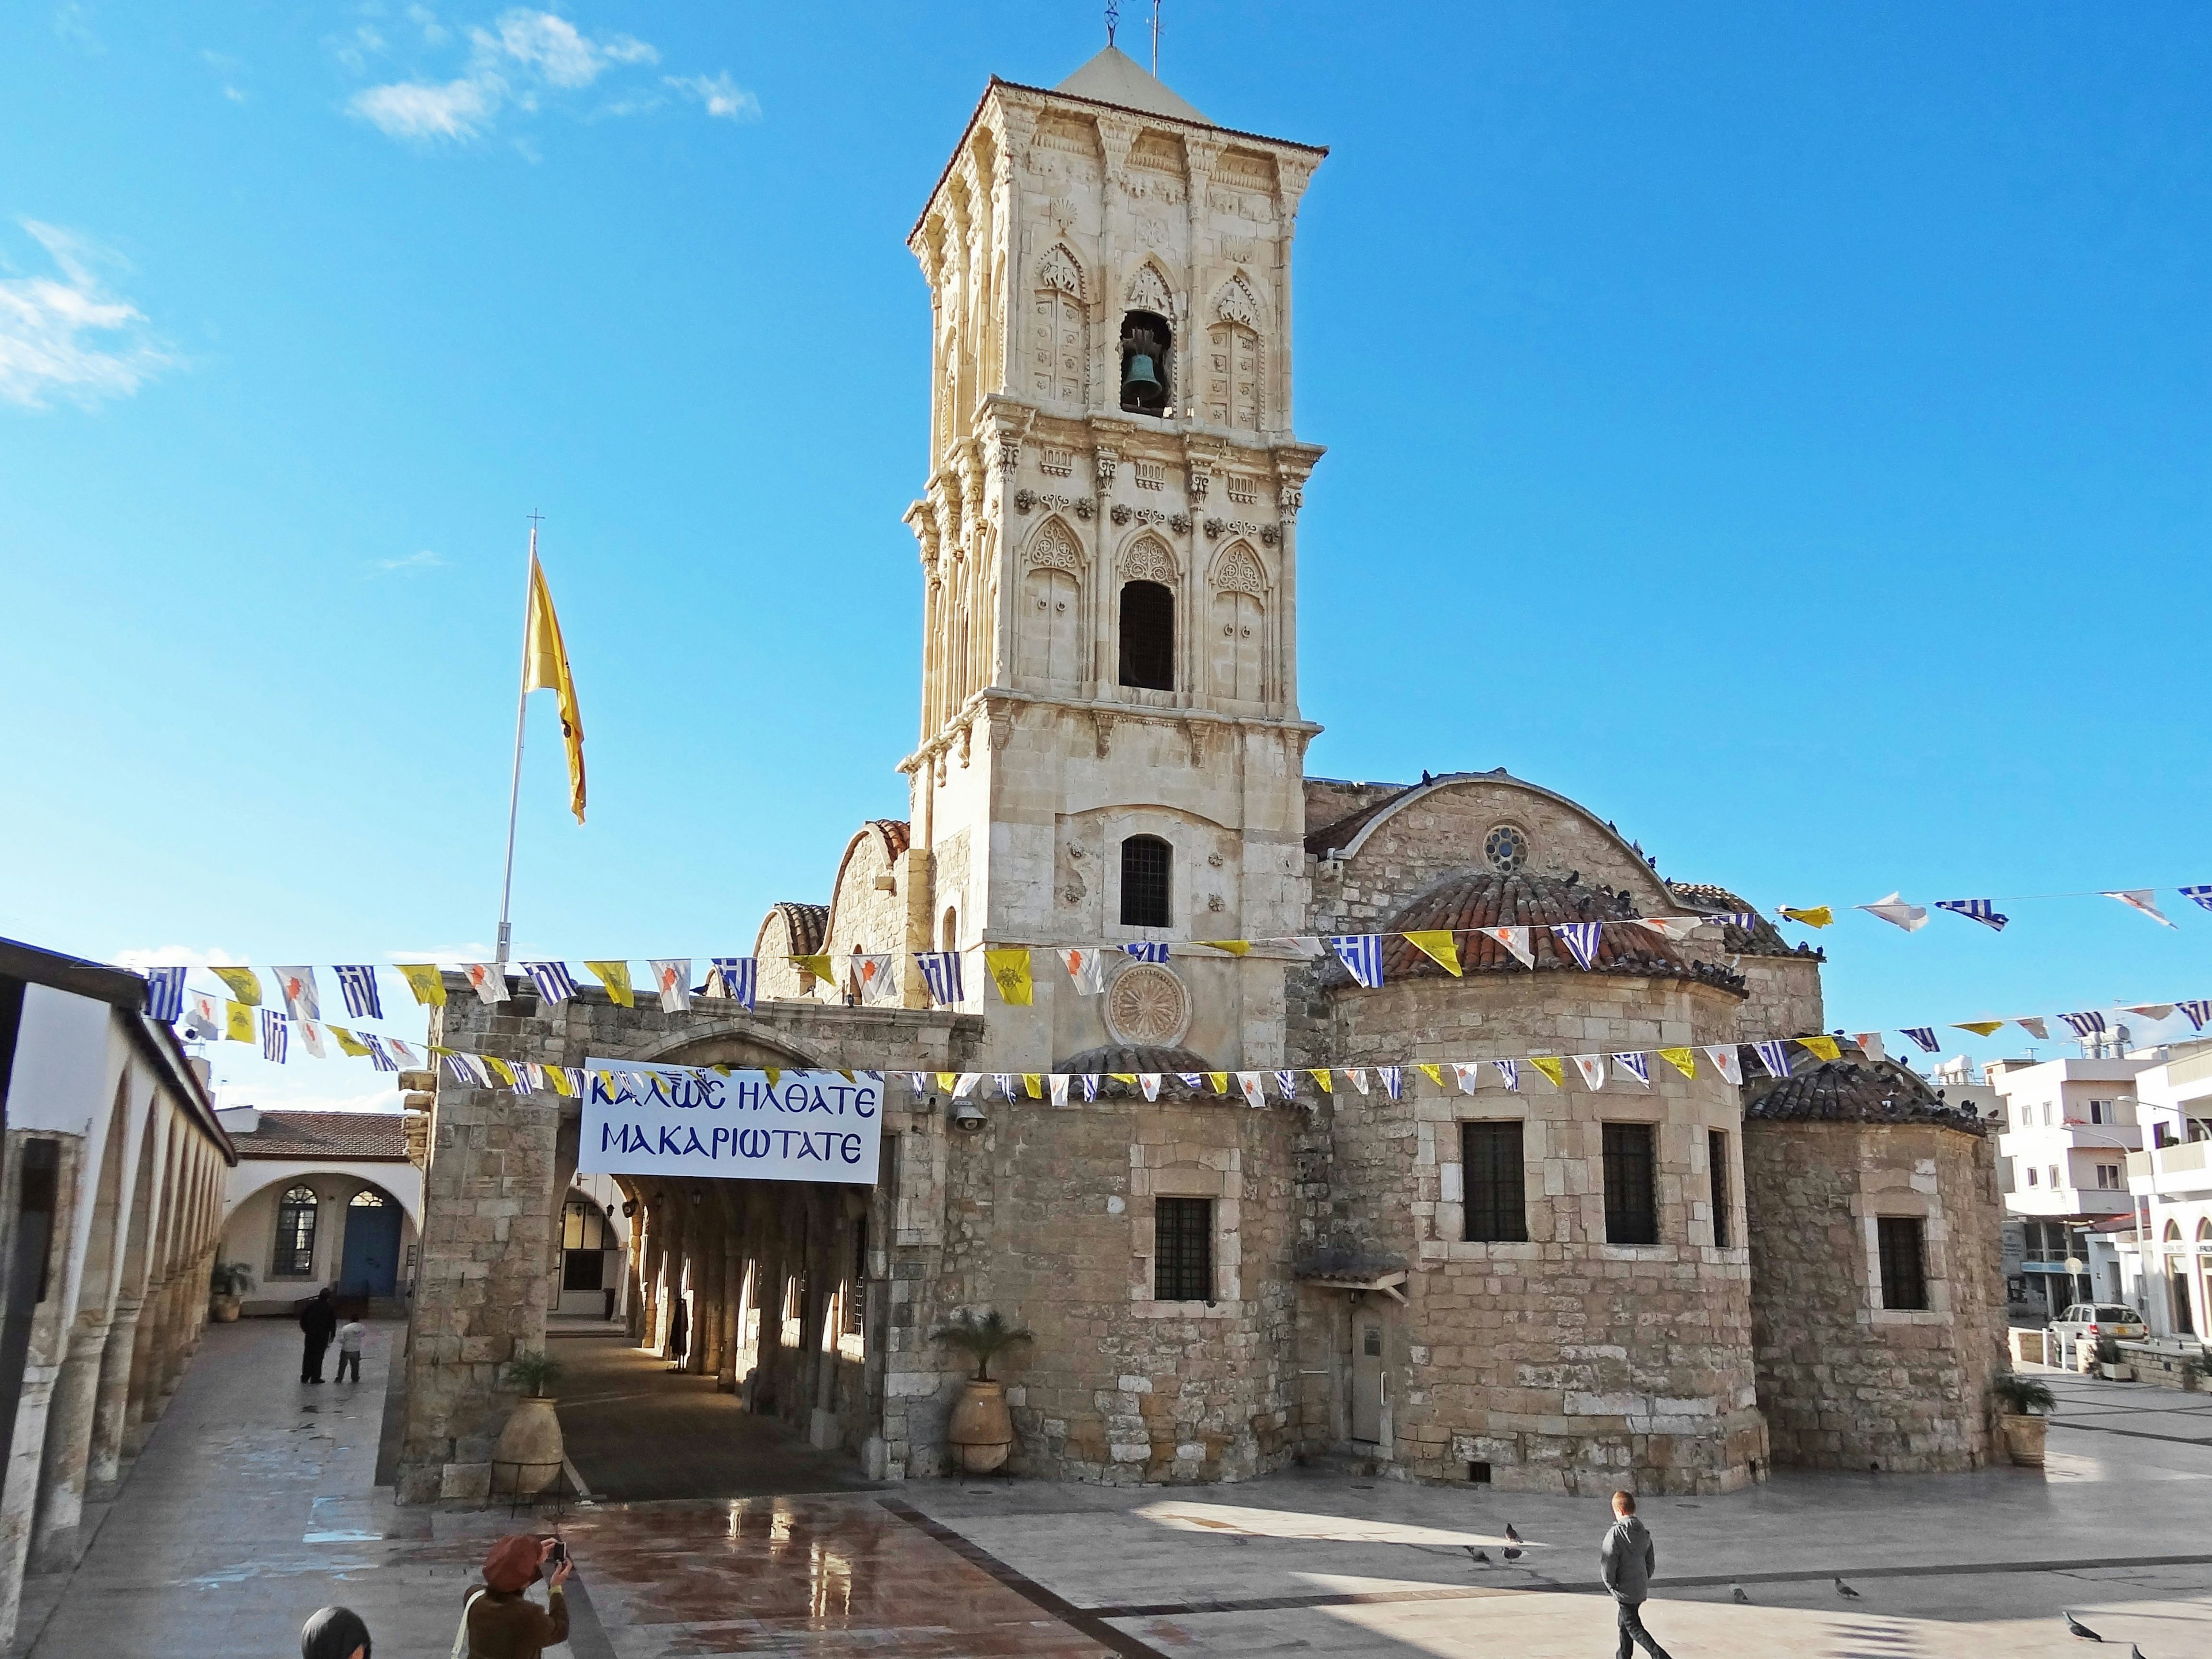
(1775,1056)
(1361,953)
(165,995)
(1148,950)
(1005,1083)
(737,977)
(1090,1086)
(357,985)
(918,1081)
(1581,938)
(1193,1081)
(1288,1083)
(1922,1034)
(377,1056)
(554,983)
(1509,1072)
(1393,1080)
(2198,1010)
(1981,910)
(2085,1025)
(1638,1065)
(276,1035)
(940,971)
(1742,919)
(2201,894)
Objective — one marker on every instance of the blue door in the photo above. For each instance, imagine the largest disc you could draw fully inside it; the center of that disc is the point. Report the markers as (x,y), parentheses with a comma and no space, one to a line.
(371,1249)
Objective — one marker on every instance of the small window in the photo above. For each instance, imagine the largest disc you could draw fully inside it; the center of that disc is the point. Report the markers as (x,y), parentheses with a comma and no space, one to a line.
(1494,1182)
(2031,1176)
(2108,1176)
(1631,1194)
(1716,1163)
(856,1287)
(296,1235)
(584,1270)
(1147,863)
(1183,1249)
(1148,636)
(1903,1269)
(2100,1111)
(2054,1175)
(367,1198)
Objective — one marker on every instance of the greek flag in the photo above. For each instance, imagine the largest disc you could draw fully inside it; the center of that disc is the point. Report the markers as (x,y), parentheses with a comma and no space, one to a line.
(1362,953)
(940,971)
(2086,1026)
(1006,1083)
(1581,939)
(1394,1081)
(1288,1083)
(1147,951)
(1090,1086)
(357,985)
(1742,919)
(165,995)
(918,1081)
(2199,1011)
(1979,911)
(554,983)
(1509,1072)
(377,1057)
(735,976)
(1638,1065)
(1775,1056)
(2201,894)
(276,1035)
(454,1069)
(1193,1081)
(1922,1034)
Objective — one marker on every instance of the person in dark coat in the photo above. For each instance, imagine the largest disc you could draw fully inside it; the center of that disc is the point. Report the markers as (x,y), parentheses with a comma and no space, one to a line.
(318,1320)
(1627,1561)
(680,1332)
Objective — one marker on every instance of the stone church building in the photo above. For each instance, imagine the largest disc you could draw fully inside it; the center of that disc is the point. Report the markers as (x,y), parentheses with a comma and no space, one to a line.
(1672,1286)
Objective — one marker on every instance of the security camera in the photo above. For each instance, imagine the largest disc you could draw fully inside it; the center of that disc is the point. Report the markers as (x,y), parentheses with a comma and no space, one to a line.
(968,1116)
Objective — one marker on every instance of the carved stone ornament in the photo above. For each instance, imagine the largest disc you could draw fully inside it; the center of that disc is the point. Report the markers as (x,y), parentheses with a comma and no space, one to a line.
(1103,461)
(1239,572)
(1236,303)
(1056,549)
(1149,562)
(1118,513)
(1057,269)
(1024,500)
(1267,534)
(1148,291)
(1146,1006)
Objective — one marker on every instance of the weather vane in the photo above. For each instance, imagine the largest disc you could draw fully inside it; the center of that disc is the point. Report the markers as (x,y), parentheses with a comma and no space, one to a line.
(1113,18)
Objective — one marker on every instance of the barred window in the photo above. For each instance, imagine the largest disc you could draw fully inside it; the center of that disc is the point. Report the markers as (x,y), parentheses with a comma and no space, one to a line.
(1148,636)
(1903,1262)
(1716,1161)
(1631,1194)
(1147,864)
(296,1235)
(1183,1249)
(1493,1181)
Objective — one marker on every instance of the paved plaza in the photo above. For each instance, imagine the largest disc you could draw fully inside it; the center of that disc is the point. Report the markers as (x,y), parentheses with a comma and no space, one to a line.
(256,1503)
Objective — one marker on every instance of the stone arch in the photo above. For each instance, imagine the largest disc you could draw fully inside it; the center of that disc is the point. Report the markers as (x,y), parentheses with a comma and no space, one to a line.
(1145,557)
(1234,373)
(1056,544)
(862,915)
(1239,568)
(1236,301)
(1237,640)
(1059,269)
(1060,329)
(707,1046)
(1149,289)
(1048,610)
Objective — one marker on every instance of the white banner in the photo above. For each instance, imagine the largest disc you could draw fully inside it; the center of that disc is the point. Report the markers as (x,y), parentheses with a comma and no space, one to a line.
(687,1121)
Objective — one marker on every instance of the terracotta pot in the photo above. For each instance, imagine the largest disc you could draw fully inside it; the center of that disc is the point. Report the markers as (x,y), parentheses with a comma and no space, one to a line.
(223,1309)
(980,1431)
(2023,1437)
(526,1457)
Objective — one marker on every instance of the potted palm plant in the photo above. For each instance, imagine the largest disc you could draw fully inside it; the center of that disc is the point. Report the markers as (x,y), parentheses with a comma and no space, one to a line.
(227,1283)
(980,1431)
(2024,1406)
(526,1457)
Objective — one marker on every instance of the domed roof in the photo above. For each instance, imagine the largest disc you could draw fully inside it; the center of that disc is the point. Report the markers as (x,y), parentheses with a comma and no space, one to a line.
(1135,1057)
(1477,899)
(1854,1091)
(1761,939)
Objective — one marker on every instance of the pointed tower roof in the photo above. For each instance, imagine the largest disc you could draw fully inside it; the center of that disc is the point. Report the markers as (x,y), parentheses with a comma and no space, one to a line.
(1115,77)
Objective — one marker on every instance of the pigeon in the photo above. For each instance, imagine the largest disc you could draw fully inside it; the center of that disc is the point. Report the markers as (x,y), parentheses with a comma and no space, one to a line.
(1511,1554)
(1480,1558)
(1511,1536)
(1735,1593)
(2076,1627)
(1846,1591)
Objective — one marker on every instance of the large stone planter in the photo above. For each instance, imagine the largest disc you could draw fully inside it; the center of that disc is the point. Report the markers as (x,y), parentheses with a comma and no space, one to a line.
(2023,1437)
(980,1431)
(526,1459)
(222,1309)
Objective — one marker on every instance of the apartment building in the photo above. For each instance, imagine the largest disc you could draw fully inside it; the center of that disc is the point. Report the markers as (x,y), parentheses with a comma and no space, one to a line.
(2069,1127)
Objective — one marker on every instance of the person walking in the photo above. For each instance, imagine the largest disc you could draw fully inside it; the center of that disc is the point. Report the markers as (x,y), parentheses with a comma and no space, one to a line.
(335,1633)
(1625,1562)
(317,1321)
(349,1336)
(497,1621)
(679,1332)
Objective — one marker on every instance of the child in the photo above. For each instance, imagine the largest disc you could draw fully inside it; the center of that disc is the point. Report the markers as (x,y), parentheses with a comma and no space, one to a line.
(349,1336)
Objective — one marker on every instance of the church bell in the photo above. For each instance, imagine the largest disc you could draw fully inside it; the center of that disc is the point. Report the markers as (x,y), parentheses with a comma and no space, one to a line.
(1139,382)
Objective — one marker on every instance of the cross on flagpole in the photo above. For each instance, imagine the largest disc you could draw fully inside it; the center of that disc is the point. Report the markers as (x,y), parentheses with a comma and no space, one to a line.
(521,706)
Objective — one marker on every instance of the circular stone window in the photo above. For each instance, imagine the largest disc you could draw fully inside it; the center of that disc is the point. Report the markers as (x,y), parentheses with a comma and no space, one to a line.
(1506,847)
(1146,1006)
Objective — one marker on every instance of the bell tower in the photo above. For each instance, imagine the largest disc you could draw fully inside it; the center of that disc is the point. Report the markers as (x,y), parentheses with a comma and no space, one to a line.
(1111,748)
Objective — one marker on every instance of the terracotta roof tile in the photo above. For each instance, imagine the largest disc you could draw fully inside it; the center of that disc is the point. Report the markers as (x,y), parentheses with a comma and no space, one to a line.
(896,832)
(1854,1092)
(1761,939)
(807,923)
(334,1136)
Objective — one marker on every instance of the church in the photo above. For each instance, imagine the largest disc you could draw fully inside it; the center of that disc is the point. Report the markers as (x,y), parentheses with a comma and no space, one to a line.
(1674,1282)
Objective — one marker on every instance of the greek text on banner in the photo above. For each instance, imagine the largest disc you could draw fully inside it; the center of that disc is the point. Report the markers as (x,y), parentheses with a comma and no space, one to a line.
(684,1121)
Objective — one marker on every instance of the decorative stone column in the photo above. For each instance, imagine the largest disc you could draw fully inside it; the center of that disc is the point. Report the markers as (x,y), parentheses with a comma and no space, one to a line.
(112,1404)
(68,1446)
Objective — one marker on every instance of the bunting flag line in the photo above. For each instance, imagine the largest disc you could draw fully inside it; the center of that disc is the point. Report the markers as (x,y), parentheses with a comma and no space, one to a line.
(615,976)
(1870,1045)
(1516,940)
(244,984)
(165,995)
(1552,1067)
(1812,915)
(1638,1065)
(1247,1084)
(311,1038)
(1288,1083)
(1922,1034)
(1322,1077)
(1727,1062)
(1682,1060)
(488,980)
(2085,1024)
(1436,944)
(940,972)
(1674,929)
(1981,1027)
(875,975)
(425,981)
(2199,894)
(237,1021)
(1235,947)
(554,982)
(1086,966)
(1361,955)
(1821,1047)
(2035,1027)
(1740,919)
(1509,1072)
(736,979)
(1150,1083)
(672,975)
(1911,917)
(1581,938)
(1980,909)
(2197,1011)
(203,1017)
(817,967)
(1059,1088)
(1010,972)
(275,1031)
(1592,1067)
(297,987)
(1775,1056)
(1148,950)
(1393,1080)
(357,985)
(349,1044)
(2139,898)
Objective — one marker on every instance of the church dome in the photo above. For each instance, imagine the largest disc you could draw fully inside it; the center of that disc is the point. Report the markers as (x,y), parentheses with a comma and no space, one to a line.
(1854,1092)
(1136,1057)
(1479,899)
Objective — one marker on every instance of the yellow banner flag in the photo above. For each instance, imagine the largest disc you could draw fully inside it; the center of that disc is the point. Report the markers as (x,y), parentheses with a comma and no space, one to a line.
(500,1068)
(1818,915)
(244,984)
(1437,945)
(1552,1067)
(773,1074)
(1434,1073)
(1123,1076)
(1010,971)
(558,1077)
(1979,1027)
(946,1080)
(348,1042)
(238,1022)
(1220,1081)
(819,965)
(1320,1074)
(1236,947)
(1033,1082)
(545,668)
(615,976)
(424,980)
(1682,1060)
(1825,1046)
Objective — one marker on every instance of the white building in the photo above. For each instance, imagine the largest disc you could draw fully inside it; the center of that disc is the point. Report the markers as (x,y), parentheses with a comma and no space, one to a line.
(2063,1162)
(2167,1266)
(322,1199)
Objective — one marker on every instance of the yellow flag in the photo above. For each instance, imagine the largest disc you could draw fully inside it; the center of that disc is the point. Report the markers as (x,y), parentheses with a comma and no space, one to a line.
(1682,1060)
(545,668)
(1010,972)
(818,965)
(773,1074)
(1320,1074)
(946,1080)
(348,1042)
(1979,1027)
(238,1022)
(244,984)
(1552,1067)
(1236,947)
(1825,1046)
(1436,944)
(1818,915)
(558,1077)
(615,976)
(1033,1083)
(423,979)
(1220,1081)
(1123,1076)
(1434,1073)
(499,1069)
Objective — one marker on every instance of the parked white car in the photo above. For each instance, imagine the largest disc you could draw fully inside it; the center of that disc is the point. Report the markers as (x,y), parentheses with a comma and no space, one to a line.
(2091,1322)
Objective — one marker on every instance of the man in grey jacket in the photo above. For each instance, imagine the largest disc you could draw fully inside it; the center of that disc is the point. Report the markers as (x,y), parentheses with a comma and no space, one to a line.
(1625,1561)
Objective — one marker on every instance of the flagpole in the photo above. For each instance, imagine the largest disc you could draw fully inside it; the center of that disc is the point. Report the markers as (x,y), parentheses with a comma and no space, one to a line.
(514,785)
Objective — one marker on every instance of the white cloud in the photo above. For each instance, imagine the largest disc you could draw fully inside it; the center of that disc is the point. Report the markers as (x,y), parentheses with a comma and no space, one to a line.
(69,337)
(435,33)
(553,47)
(174,956)
(425,560)
(723,97)
(417,109)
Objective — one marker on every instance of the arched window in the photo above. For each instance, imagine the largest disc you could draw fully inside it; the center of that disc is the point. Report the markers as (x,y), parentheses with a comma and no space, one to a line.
(367,1198)
(296,1235)
(950,940)
(1147,869)
(1148,636)
(585,1237)
(1147,360)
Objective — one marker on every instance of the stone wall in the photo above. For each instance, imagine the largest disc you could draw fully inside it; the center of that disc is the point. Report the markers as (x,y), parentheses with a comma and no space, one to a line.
(1845,1384)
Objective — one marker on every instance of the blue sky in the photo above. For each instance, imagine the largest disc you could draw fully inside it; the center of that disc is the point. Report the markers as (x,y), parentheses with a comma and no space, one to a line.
(1783,429)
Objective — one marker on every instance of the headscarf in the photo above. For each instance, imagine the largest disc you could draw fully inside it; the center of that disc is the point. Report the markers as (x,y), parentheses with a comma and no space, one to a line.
(512,1563)
(333,1633)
